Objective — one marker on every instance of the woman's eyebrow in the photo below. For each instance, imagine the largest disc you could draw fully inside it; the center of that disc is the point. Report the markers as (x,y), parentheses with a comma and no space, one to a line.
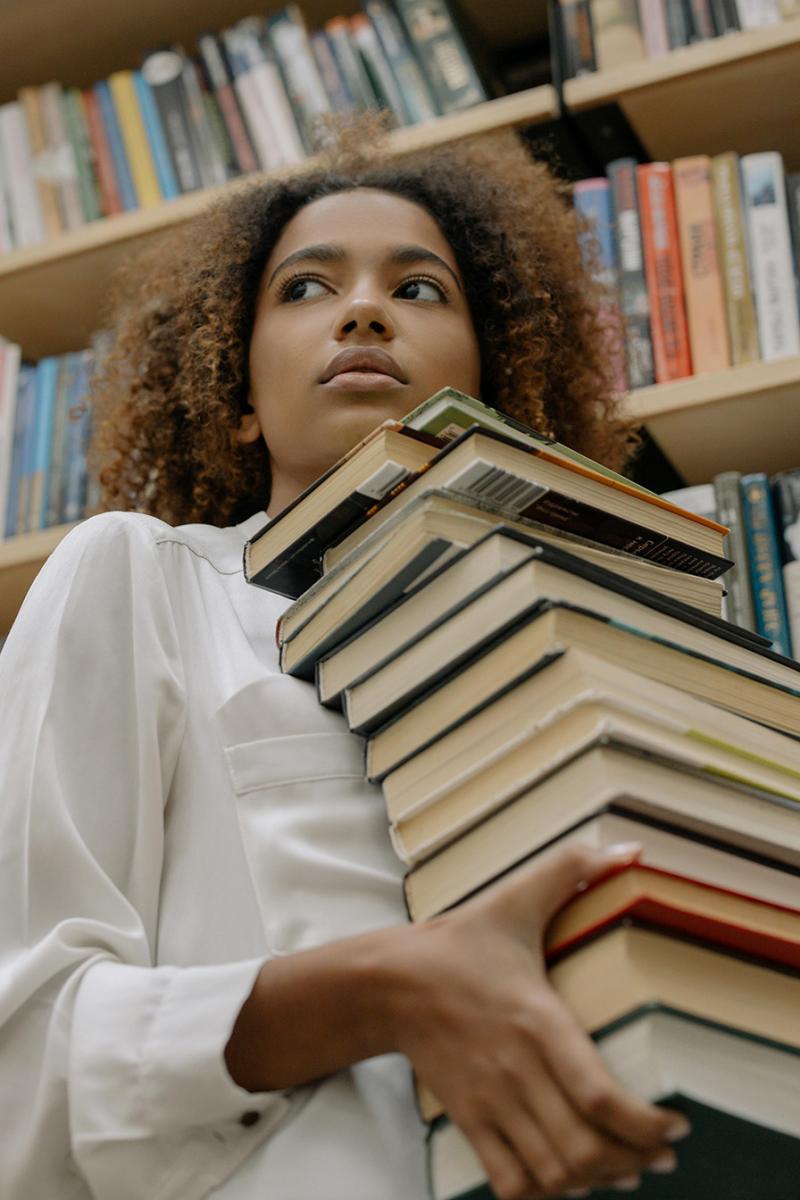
(328,252)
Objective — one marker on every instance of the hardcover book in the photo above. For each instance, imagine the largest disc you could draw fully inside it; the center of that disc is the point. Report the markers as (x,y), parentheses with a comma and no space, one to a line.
(732,245)
(633,284)
(764,553)
(662,261)
(702,279)
(771,262)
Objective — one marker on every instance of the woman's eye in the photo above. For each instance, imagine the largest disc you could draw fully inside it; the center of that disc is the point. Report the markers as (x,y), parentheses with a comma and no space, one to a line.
(422,289)
(302,289)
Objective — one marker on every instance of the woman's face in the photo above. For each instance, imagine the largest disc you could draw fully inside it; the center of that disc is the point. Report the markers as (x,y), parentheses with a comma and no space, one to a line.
(361,316)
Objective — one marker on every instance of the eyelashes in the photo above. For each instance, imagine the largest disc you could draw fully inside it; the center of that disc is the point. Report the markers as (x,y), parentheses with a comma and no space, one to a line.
(286,285)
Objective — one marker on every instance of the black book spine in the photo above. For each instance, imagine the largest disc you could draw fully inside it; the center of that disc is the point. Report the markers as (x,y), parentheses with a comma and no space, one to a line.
(433,32)
(163,70)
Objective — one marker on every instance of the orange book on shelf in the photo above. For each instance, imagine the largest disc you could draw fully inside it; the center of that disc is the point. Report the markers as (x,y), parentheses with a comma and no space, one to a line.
(662,265)
(702,278)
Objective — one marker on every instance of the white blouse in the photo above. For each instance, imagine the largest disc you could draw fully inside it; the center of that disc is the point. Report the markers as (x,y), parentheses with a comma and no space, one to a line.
(174,811)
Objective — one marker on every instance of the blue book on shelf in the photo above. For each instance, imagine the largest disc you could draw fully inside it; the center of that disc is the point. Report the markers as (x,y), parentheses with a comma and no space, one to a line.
(46,384)
(76,442)
(763,547)
(155,136)
(122,168)
(23,428)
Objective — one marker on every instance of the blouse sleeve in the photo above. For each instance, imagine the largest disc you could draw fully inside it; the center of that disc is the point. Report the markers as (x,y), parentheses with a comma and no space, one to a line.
(112,1076)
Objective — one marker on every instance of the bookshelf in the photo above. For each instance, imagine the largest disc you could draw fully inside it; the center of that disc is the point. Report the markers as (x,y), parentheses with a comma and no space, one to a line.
(704,98)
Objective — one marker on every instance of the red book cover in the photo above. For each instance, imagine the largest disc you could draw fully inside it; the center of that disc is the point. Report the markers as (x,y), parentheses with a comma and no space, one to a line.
(662,264)
(106,177)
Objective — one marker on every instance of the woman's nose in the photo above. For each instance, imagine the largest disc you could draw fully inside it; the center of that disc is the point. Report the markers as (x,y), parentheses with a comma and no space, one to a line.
(364,313)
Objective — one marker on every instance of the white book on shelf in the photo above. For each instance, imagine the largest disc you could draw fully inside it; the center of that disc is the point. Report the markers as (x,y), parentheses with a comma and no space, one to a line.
(764,195)
(755,14)
(26,213)
(10,358)
(62,155)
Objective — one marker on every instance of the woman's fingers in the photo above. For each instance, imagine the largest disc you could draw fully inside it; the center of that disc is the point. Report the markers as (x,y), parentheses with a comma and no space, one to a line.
(507,1176)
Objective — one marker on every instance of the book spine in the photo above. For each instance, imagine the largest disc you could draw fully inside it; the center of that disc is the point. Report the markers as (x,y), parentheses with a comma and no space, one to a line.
(167,183)
(653,17)
(662,259)
(677,24)
(703,19)
(793,212)
(378,67)
(63,157)
(46,380)
(78,130)
(74,478)
(162,71)
(224,152)
(6,229)
(756,14)
(52,503)
(339,97)
(134,137)
(769,239)
(122,169)
(350,64)
(732,244)
(413,85)
(110,199)
(786,498)
(765,562)
(702,278)
(221,81)
(42,161)
(262,134)
(617,36)
(10,358)
(633,285)
(739,600)
(308,98)
(439,46)
(212,169)
(576,34)
(16,509)
(592,199)
(26,213)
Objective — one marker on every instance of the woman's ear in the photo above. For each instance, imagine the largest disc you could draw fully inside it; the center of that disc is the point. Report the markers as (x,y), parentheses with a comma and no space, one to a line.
(249,428)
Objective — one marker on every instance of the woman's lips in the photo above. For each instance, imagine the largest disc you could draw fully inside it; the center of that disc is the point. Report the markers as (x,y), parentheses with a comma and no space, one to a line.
(365,381)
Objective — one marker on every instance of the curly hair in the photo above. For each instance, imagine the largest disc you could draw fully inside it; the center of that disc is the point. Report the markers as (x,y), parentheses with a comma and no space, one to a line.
(170,393)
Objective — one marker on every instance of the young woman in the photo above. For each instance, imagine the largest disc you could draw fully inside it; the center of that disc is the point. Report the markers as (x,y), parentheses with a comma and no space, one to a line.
(208,986)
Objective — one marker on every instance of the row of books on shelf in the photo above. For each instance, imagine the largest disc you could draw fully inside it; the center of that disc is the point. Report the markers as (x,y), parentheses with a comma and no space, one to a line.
(533,651)
(699,259)
(598,35)
(45,425)
(248,99)
(763,517)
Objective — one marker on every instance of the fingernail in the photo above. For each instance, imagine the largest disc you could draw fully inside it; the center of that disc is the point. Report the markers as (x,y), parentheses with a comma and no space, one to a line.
(678,1130)
(628,1183)
(665,1164)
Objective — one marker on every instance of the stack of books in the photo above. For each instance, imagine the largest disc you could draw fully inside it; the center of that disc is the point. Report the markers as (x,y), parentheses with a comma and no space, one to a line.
(532,648)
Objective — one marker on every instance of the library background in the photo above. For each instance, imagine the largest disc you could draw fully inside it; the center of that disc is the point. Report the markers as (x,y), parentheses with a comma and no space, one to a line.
(677,123)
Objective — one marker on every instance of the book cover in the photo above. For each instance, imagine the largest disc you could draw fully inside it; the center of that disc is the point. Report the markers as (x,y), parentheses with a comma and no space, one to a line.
(78,130)
(662,262)
(765,562)
(702,279)
(110,198)
(159,151)
(592,200)
(732,245)
(378,67)
(739,600)
(134,138)
(221,81)
(414,87)
(633,284)
(767,219)
(432,30)
(122,170)
(162,71)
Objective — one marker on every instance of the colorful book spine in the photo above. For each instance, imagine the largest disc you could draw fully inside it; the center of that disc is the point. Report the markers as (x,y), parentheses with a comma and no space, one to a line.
(110,198)
(662,262)
(633,284)
(18,482)
(732,245)
(67,366)
(350,64)
(416,93)
(134,138)
(122,170)
(739,600)
(384,82)
(432,31)
(221,81)
(46,381)
(163,71)
(167,183)
(767,217)
(339,95)
(76,443)
(78,131)
(702,278)
(763,548)
(42,161)
(66,168)
(592,199)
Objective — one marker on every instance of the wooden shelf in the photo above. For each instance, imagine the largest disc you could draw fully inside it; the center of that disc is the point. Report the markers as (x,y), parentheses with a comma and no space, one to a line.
(739,92)
(20,561)
(79,265)
(743,419)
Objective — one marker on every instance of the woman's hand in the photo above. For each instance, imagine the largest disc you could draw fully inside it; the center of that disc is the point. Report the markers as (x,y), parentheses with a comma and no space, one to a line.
(474,1012)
